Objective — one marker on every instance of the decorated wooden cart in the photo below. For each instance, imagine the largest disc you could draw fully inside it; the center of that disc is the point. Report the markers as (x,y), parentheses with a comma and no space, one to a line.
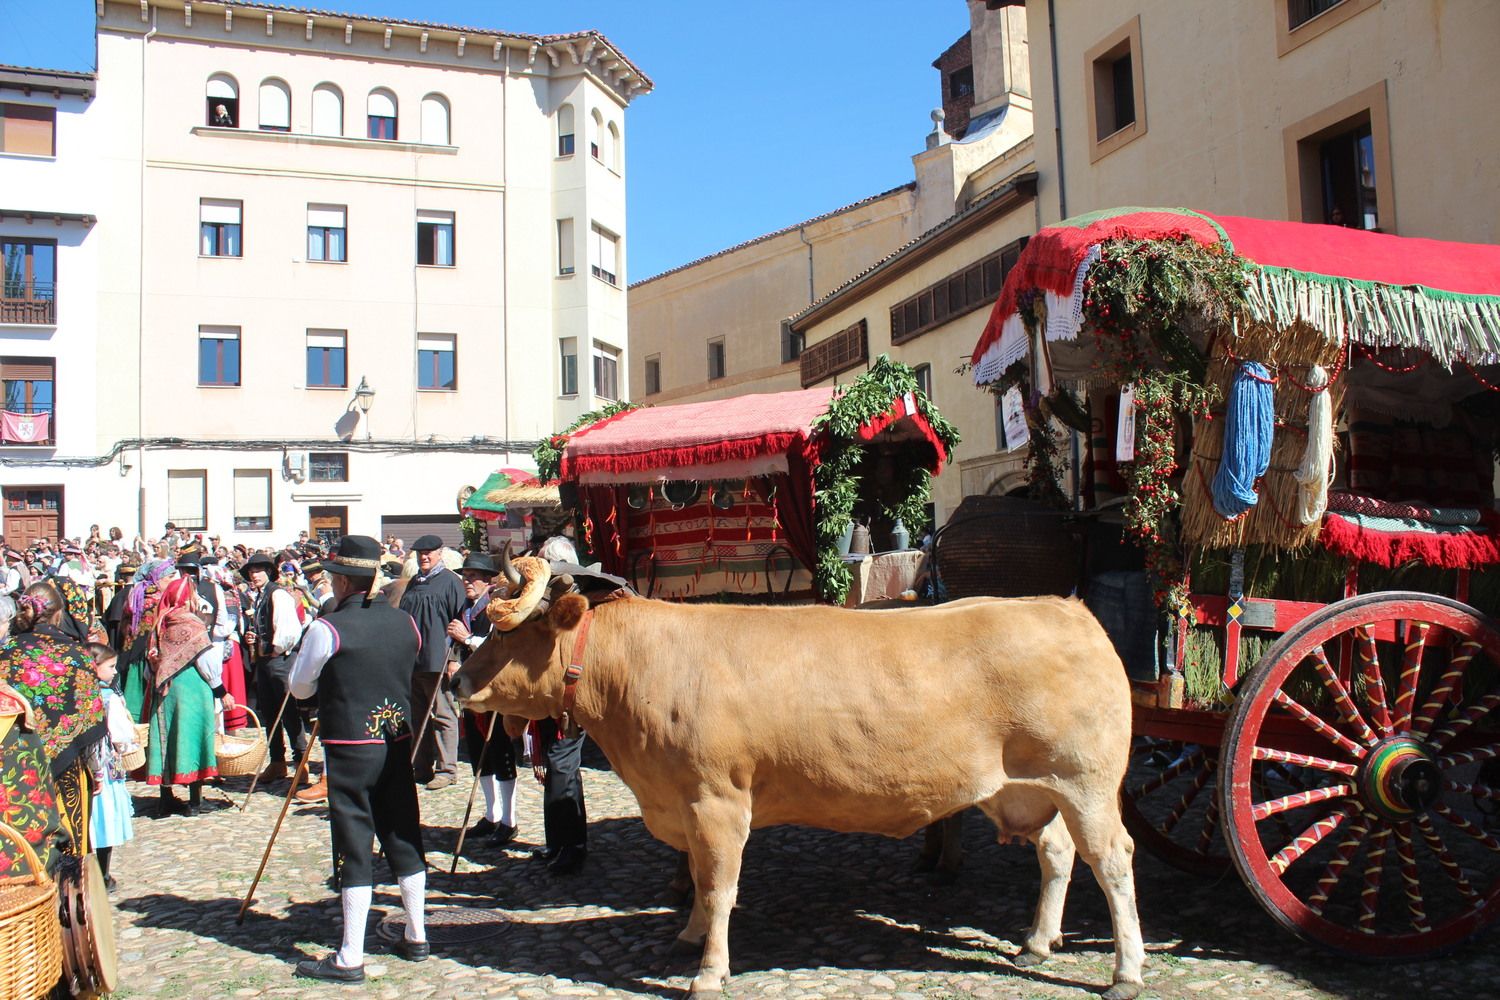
(513,506)
(753,494)
(1304,457)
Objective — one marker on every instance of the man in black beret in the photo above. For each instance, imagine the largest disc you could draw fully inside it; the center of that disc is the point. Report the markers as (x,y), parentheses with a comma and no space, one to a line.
(433,598)
(356,660)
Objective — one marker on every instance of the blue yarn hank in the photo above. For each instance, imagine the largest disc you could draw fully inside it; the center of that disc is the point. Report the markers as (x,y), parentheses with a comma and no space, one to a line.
(1249,421)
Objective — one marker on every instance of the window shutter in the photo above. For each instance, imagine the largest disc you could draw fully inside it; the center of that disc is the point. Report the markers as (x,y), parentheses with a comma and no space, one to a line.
(26,369)
(185,498)
(219,332)
(381,105)
(435,218)
(219,88)
(328,216)
(434,342)
(219,210)
(26,128)
(325,338)
(434,121)
(252,493)
(328,111)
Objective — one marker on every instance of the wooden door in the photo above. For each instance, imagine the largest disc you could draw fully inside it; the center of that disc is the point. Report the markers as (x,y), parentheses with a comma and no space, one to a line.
(32,512)
(328,524)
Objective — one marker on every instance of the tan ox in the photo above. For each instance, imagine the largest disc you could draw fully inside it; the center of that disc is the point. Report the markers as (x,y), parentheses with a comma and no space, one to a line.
(723,719)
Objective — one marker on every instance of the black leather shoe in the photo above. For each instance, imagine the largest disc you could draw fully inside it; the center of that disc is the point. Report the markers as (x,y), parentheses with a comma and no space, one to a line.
(568,860)
(483,828)
(414,951)
(502,835)
(328,970)
(547,854)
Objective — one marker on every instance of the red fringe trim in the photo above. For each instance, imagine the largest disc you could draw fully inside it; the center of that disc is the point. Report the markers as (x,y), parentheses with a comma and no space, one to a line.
(565,463)
(185,779)
(709,453)
(1392,549)
(898,412)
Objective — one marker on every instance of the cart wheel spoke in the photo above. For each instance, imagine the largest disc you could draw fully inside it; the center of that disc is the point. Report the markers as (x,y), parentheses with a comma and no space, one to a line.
(1210,827)
(1171,771)
(1416,909)
(1446,686)
(1348,713)
(1484,706)
(1369,894)
(1329,880)
(1411,670)
(1369,666)
(1488,840)
(1265,810)
(1476,791)
(1445,858)
(1458,758)
(1311,837)
(1303,760)
(1160,811)
(1318,726)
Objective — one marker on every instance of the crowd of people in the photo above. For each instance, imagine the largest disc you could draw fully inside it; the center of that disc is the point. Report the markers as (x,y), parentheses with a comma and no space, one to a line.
(124,662)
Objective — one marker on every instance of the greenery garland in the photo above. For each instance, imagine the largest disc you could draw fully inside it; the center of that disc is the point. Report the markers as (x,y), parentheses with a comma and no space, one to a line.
(836,479)
(548,452)
(1134,300)
(1041,462)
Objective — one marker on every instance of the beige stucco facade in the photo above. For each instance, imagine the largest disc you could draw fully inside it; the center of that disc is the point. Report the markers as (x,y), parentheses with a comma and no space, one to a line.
(1229,91)
(742,294)
(496,168)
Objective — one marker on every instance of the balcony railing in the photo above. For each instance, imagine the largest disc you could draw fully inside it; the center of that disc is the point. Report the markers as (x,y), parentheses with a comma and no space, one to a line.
(31,303)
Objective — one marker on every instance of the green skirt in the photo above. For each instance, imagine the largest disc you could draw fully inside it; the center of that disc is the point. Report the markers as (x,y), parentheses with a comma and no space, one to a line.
(133,684)
(181,750)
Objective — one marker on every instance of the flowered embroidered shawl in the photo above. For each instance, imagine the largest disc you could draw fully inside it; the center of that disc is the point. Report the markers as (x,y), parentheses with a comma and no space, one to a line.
(56,677)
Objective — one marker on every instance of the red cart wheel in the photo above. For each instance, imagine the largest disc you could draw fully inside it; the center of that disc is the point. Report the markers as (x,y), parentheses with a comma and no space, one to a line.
(1170,804)
(1354,771)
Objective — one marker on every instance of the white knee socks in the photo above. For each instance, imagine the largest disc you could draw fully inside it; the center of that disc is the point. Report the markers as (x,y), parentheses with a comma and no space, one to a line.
(499,799)
(356,912)
(414,901)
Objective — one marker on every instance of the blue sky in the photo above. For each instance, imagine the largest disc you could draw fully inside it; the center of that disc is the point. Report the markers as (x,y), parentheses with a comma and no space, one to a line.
(765,113)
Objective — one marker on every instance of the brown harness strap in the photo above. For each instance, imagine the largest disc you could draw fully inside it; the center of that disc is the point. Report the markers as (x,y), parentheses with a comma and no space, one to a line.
(575,665)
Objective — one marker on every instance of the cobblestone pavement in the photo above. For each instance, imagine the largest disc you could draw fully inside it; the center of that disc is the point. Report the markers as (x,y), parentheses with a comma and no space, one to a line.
(820,916)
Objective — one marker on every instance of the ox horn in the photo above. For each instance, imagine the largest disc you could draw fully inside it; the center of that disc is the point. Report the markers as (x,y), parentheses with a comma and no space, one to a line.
(511,576)
(511,613)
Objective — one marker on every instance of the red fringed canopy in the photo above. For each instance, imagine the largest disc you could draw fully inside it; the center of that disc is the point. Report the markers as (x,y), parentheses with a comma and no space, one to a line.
(1448,547)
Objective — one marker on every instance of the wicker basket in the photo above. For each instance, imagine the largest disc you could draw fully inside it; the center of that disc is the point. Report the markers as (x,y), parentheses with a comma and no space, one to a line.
(241,756)
(136,759)
(30,934)
(1008,547)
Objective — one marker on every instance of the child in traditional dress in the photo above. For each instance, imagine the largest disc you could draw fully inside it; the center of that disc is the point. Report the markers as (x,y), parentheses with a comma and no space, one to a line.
(110,817)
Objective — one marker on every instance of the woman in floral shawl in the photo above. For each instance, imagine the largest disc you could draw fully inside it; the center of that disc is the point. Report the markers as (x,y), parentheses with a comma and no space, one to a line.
(186,677)
(54,675)
(138,622)
(28,798)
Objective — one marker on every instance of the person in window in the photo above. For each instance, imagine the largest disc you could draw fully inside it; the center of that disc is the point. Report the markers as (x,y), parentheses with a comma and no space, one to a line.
(221,117)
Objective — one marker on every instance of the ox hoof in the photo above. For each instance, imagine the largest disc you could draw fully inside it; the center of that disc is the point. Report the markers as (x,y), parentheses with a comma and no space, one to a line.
(1123,991)
(708,985)
(1028,959)
(686,946)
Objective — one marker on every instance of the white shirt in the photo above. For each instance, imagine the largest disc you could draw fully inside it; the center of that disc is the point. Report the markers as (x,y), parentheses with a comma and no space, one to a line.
(319,643)
(285,628)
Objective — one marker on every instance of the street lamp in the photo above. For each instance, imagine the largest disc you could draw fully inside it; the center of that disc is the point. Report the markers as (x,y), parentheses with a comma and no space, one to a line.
(364,398)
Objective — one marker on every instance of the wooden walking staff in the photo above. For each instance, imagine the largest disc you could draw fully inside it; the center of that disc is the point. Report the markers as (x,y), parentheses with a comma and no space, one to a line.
(285,805)
(416,746)
(478,773)
(256,779)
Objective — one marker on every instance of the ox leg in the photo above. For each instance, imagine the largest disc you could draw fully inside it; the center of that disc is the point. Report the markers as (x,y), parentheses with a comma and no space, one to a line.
(1055,853)
(717,845)
(1108,850)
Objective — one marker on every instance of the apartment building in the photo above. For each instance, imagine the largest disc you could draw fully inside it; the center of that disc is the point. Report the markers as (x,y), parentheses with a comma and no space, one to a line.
(344,265)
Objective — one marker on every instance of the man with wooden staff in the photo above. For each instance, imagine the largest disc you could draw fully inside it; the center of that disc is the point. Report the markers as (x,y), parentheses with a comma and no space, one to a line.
(357,661)
(433,598)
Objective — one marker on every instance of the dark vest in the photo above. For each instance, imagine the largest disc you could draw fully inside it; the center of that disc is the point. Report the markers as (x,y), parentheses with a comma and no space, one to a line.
(478,622)
(364,692)
(263,621)
(210,594)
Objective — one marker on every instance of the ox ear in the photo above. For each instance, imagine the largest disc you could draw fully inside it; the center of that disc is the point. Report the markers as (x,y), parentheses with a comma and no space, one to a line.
(567,611)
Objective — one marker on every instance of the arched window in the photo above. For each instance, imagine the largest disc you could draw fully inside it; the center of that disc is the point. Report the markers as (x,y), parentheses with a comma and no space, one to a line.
(565,130)
(327,110)
(612,149)
(435,120)
(380,115)
(595,135)
(275,106)
(222,105)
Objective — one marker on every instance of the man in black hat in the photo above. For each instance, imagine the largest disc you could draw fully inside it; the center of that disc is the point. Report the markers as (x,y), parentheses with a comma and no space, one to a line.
(274,632)
(433,598)
(356,660)
(318,585)
(189,563)
(495,764)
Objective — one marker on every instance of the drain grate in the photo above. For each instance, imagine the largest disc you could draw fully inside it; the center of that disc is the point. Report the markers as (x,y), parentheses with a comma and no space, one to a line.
(449,925)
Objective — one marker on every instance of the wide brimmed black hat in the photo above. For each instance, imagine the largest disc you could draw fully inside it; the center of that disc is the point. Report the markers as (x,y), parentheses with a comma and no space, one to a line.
(258,561)
(427,543)
(356,555)
(188,560)
(480,562)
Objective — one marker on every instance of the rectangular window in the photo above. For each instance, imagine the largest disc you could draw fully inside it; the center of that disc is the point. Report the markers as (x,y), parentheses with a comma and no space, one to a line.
(961,83)
(326,232)
(218,355)
(252,500)
(30,401)
(1338,164)
(568,348)
(28,129)
(716,358)
(653,374)
(976,286)
(1115,86)
(187,498)
(327,360)
(839,353)
(327,467)
(436,361)
(606,372)
(1299,12)
(435,239)
(924,379)
(219,227)
(28,281)
(604,254)
(1346,166)
(380,127)
(564,246)
(791,343)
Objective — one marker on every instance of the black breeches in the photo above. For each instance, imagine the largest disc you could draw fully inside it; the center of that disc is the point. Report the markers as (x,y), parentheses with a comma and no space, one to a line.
(372,794)
(564,817)
(269,691)
(499,759)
